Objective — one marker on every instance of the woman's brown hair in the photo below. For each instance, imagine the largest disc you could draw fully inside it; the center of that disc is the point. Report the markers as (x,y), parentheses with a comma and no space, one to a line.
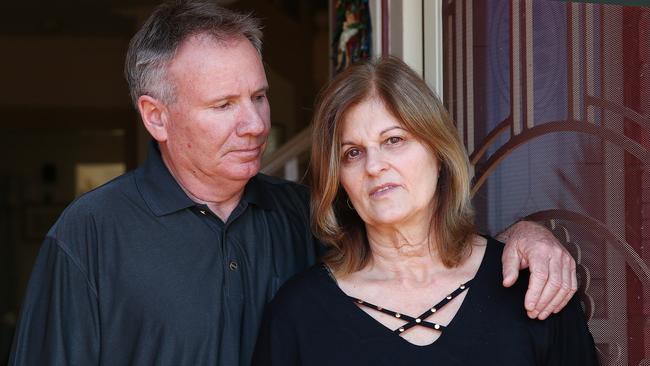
(420,112)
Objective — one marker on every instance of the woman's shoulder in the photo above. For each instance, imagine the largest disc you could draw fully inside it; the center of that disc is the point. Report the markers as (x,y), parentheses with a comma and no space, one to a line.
(495,246)
(490,273)
(491,264)
(307,286)
(493,254)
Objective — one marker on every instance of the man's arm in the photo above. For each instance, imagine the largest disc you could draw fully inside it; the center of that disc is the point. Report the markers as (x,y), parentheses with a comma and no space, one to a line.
(59,320)
(552,269)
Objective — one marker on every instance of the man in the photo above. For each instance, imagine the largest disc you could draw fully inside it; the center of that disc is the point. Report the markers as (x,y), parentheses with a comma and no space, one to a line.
(172,264)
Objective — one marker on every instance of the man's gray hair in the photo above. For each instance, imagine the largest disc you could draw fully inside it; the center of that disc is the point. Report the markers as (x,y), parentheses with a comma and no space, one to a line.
(173,22)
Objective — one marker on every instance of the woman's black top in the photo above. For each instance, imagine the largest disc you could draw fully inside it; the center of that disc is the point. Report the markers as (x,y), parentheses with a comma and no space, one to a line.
(313,322)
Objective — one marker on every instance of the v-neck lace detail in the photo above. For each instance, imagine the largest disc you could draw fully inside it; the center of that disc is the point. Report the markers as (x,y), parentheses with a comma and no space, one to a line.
(421,319)
(410,321)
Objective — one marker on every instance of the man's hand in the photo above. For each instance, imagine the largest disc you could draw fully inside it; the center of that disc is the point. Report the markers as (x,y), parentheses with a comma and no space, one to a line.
(552,269)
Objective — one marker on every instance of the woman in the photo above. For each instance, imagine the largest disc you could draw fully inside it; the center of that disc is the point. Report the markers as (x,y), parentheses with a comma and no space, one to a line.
(407,281)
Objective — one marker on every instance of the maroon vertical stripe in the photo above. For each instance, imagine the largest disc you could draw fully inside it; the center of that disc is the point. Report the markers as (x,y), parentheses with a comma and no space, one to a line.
(447,67)
(569,47)
(602,59)
(585,90)
(385,27)
(523,59)
(454,19)
(632,70)
(512,74)
(463,19)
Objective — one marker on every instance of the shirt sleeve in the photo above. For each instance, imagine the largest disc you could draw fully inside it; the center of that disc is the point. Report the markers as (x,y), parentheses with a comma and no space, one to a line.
(59,320)
(571,341)
(277,342)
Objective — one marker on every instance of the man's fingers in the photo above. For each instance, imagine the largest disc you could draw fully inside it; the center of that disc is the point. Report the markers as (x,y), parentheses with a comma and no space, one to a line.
(539,268)
(573,284)
(552,285)
(555,304)
(511,262)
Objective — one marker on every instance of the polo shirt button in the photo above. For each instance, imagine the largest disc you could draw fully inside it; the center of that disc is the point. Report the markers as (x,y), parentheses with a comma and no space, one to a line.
(233,266)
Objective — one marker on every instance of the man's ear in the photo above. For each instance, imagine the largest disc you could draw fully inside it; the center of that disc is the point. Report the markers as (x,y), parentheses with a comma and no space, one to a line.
(153,113)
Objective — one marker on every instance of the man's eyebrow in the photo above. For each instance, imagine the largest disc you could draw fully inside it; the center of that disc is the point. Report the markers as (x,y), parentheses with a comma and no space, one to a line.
(264,89)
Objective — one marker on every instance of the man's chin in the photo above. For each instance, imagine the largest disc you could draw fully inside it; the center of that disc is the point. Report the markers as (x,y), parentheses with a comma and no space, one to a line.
(245,170)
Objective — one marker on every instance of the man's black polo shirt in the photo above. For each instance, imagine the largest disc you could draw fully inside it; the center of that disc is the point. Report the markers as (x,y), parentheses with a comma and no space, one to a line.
(136,273)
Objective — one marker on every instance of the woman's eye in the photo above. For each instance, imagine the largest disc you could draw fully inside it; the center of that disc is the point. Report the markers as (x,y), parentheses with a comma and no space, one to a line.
(352,153)
(393,140)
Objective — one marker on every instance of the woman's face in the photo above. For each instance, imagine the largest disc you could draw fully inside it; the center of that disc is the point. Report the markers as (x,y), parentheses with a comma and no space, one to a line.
(390,176)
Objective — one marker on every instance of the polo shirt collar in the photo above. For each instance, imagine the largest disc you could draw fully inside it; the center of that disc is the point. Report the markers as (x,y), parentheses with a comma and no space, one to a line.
(164,195)
(158,187)
(256,193)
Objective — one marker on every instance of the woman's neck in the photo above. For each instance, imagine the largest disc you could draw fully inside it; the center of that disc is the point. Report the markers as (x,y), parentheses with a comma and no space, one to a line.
(405,254)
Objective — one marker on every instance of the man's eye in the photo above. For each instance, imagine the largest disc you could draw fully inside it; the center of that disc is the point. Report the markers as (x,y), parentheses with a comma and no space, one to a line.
(223,106)
(260,98)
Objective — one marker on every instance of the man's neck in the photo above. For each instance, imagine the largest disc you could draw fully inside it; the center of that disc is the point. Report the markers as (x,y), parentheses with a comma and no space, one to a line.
(220,195)
(222,208)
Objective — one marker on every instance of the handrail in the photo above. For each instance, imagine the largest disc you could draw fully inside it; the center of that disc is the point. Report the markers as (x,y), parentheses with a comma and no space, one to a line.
(287,154)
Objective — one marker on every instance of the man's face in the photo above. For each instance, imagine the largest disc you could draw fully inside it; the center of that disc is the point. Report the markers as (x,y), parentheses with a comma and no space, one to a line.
(219,121)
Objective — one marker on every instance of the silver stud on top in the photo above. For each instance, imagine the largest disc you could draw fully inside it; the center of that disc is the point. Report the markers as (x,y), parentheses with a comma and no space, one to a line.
(418,320)
(448,297)
(437,326)
(397,315)
(401,330)
(433,310)
(462,287)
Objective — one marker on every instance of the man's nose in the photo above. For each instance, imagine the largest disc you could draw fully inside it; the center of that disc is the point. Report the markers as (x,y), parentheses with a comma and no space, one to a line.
(252,120)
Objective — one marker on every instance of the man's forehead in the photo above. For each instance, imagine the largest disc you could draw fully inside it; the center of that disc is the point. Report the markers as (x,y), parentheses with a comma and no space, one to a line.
(196,55)
(212,68)
(213,39)
(211,46)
